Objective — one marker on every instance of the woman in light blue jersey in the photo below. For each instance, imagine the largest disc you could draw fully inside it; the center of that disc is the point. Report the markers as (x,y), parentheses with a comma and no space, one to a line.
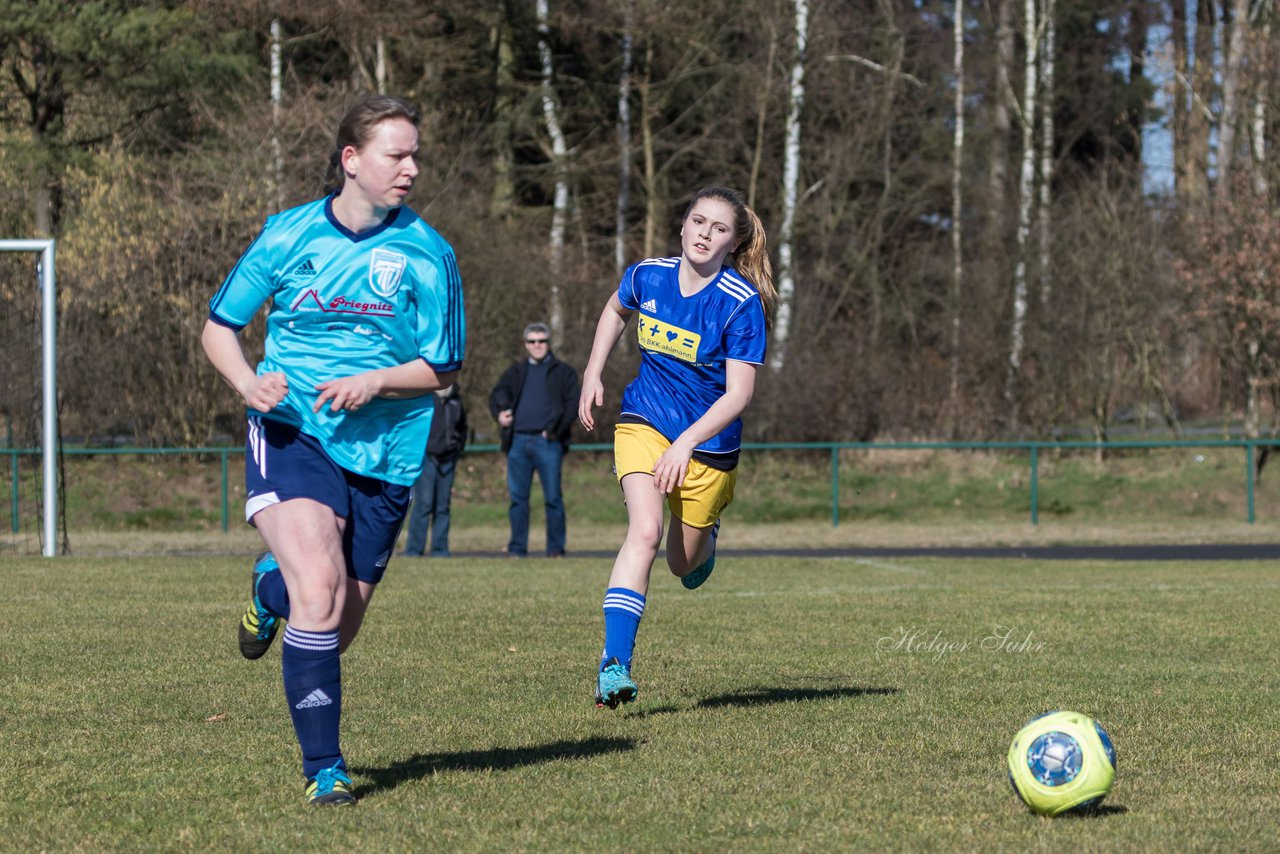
(365,321)
(702,327)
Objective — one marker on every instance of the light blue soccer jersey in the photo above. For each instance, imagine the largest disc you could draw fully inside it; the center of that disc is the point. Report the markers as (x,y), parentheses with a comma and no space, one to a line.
(343,303)
(684,344)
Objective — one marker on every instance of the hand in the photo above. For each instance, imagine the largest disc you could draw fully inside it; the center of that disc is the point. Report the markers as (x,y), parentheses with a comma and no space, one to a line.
(506,418)
(349,393)
(265,391)
(670,469)
(592,395)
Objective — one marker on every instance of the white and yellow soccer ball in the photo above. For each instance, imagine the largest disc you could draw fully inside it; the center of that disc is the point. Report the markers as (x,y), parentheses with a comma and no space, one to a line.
(1062,762)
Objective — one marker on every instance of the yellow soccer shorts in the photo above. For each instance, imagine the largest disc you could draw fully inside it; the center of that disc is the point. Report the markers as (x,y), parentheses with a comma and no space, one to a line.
(706,491)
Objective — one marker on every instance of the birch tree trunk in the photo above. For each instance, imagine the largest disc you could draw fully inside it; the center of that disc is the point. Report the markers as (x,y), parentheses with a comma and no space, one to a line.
(380,64)
(1026,187)
(1253,378)
(1259,140)
(277,74)
(790,191)
(1044,218)
(559,162)
(957,208)
(624,140)
(375,80)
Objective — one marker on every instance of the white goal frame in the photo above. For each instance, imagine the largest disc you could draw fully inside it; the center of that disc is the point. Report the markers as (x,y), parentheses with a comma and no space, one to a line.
(49,346)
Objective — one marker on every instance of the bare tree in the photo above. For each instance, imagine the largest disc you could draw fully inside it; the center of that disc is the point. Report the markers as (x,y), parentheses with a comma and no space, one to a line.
(1044,215)
(1237,23)
(560,165)
(957,204)
(624,138)
(762,115)
(1109,345)
(277,75)
(790,189)
(654,189)
(503,191)
(1258,138)
(1229,265)
(1192,116)
(1026,183)
(1002,99)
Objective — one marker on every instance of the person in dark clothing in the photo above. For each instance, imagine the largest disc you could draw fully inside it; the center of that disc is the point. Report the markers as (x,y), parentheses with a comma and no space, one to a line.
(535,403)
(433,489)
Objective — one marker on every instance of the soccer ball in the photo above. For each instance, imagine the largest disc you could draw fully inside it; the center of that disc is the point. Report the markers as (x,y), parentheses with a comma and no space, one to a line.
(1062,762)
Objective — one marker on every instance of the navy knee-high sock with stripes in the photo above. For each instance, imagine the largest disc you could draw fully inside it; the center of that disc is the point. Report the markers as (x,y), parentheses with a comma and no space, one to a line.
(313,688)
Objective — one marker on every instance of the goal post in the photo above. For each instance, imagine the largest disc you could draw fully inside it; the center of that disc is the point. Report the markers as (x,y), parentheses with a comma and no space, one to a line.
(49,385)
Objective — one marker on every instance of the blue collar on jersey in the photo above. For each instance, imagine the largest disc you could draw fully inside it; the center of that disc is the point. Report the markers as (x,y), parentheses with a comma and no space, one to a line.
(360,235)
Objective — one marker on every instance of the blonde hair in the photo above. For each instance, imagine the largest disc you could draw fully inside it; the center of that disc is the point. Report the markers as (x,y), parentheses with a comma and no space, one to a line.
(750,254)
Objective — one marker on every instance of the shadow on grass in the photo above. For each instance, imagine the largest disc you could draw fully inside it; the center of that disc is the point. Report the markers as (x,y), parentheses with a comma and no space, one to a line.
(494,759)
(762,696)
(1101,811)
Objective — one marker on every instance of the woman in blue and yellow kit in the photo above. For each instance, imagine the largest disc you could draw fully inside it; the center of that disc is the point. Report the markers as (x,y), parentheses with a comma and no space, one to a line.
(702,328)
(365,321)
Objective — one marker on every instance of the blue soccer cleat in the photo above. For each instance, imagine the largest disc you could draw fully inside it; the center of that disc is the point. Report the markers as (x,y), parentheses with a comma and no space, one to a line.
(614,685)
(258,626)
(330,787)
(702,571)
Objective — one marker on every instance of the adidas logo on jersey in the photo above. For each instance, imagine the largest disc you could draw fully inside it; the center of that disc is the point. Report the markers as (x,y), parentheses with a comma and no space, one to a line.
(315,699)
(649,305)
(306,268)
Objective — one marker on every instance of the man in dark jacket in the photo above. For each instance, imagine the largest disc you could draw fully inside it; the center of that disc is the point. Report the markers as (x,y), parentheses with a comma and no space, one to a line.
(535,403)
(433,489)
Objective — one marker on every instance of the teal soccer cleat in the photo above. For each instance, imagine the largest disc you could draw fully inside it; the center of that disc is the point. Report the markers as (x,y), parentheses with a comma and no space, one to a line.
(614,685)
(258,626)
(330,787)
(702,571)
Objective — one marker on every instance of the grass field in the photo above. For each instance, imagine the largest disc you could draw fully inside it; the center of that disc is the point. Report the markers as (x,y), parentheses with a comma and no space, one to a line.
(780,708)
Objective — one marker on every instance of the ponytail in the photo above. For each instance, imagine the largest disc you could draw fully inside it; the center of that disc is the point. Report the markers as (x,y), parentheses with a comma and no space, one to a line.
(751,259)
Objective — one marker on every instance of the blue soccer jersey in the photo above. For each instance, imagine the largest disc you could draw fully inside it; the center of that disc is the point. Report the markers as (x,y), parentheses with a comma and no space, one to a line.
(343,303)
(684,344)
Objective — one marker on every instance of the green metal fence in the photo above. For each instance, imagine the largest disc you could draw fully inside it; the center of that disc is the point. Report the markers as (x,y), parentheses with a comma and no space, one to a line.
(1031,448)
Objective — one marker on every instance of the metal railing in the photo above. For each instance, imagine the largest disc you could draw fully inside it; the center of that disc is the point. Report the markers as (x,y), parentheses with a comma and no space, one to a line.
(1032,448)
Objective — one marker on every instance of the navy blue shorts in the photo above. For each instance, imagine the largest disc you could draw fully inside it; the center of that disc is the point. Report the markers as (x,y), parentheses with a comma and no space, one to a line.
(281,463)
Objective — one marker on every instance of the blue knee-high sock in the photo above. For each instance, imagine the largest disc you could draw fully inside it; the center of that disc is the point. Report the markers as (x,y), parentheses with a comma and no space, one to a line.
(313,688)
(623,609)
(273,594)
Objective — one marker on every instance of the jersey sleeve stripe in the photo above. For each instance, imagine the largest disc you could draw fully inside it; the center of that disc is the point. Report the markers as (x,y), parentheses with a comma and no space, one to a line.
(737,293)
(453,309)
(731,284)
